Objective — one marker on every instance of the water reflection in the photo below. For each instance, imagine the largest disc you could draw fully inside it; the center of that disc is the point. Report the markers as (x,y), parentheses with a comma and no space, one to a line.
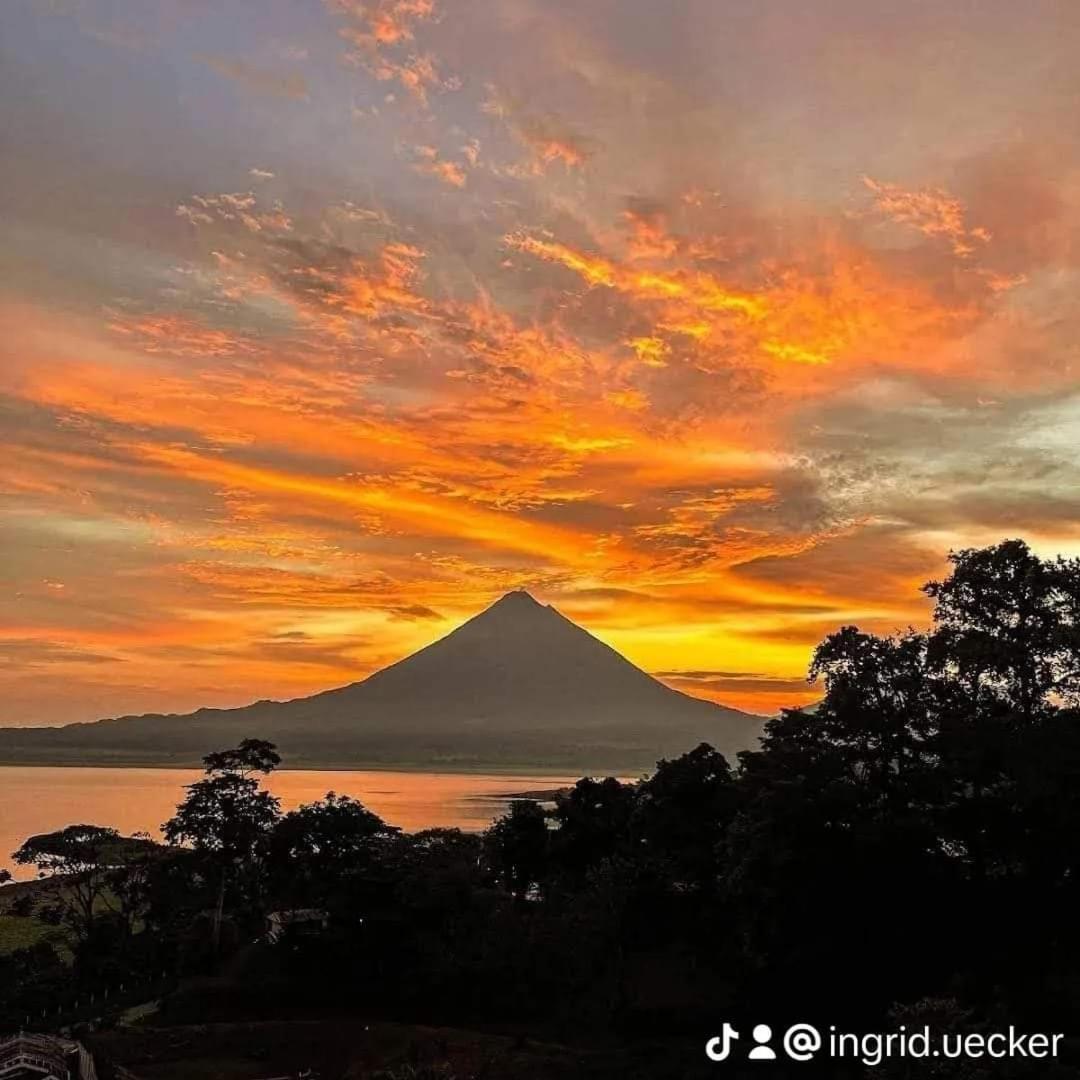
(37,800)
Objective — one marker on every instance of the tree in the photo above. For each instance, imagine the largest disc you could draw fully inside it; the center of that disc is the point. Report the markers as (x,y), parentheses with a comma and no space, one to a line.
(251,756)
(593,823)
(313,848)
(517,847)
(941,764)
(135,884)
(441,870)
(1007,626)
(1006,640)
(81,857)
(226,817)
(879,711)
(682,811)
(834,837)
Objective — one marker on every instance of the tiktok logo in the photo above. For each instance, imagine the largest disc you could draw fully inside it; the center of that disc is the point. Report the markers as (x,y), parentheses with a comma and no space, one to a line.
(719,1046)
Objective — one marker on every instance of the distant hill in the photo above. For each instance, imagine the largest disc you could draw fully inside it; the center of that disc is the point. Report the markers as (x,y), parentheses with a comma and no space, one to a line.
(517,686)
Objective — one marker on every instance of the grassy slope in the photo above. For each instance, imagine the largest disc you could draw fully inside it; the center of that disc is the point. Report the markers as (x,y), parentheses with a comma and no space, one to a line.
(17,932)
(20,932)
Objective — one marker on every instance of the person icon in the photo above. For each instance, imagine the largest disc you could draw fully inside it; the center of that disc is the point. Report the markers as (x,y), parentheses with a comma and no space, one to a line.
(762,1034)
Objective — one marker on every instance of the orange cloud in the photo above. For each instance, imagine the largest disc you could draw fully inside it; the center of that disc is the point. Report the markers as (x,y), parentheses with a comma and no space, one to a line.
(648,234)
(425,515)
(844,309)
(382,22)
(380,34)
(451,173)
(234,206)
(932,212)
(697,290)
(548,139)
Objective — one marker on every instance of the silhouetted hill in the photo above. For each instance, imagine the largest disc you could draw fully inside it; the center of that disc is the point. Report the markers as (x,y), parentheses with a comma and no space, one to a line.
(517,685)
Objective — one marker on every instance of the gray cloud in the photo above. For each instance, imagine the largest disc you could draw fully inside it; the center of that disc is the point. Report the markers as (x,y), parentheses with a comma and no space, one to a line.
(283,84)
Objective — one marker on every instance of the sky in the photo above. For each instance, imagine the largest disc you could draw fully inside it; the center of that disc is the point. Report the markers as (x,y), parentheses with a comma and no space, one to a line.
(714,324)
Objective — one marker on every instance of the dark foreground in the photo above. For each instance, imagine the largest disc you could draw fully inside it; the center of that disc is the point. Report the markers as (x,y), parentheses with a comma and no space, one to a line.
(354,1049)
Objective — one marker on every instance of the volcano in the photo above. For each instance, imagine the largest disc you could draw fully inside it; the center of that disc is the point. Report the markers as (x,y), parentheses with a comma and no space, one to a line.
(517,686)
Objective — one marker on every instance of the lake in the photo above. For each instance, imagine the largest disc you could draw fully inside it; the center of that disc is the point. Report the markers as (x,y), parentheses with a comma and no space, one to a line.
(40,799)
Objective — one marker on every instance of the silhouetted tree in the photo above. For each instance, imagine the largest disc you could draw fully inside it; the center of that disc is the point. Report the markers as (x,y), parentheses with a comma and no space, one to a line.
(313,848)
(517,847)
(82,856)
(250,757)
(593,824)
(835,838)
(939,764)
(682,811)
(135,887)
(226,817)
(1007,628)
(1006,640)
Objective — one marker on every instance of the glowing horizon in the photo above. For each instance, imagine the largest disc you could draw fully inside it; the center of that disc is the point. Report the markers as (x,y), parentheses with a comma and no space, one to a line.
(327,324)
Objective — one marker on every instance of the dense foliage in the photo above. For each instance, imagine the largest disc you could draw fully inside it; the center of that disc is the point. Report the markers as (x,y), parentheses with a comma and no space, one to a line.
(910,844)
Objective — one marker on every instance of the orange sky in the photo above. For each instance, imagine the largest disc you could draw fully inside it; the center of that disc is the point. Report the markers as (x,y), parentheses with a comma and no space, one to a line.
(714,326)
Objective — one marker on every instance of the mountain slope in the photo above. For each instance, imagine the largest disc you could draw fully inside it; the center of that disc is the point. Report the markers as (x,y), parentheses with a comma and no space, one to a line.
(517,685)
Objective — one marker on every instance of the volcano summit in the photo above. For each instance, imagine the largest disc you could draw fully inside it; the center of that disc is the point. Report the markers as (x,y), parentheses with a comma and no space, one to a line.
(518,685)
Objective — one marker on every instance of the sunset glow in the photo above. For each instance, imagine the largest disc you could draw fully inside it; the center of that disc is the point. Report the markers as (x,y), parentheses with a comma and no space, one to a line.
(713,326)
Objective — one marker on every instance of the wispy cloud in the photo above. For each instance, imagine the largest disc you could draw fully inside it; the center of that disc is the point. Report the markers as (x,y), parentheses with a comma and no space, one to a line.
(261,80)
(932,211)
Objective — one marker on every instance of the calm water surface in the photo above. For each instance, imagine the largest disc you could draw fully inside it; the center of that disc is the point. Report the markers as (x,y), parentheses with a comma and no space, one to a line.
(40,799)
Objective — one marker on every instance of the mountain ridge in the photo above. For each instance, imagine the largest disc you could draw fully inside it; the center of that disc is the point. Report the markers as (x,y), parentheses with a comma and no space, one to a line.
(518,683)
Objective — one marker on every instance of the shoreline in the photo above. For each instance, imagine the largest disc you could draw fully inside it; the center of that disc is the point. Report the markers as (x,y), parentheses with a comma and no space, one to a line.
(432,768)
